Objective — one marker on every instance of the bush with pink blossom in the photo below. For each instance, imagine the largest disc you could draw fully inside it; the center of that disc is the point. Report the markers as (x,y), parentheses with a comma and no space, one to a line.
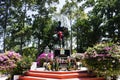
(43,58)
(8,61)
(103,59)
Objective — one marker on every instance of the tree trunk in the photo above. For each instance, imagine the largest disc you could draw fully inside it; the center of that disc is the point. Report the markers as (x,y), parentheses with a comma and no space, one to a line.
(38,46)
(21,40)
(5,24)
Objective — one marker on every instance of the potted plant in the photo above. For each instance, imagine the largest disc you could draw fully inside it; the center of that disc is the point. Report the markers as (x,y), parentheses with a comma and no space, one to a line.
(103,59)
(44,58)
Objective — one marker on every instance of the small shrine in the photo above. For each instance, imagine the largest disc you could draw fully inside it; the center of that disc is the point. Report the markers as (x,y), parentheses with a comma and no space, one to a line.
(62,60)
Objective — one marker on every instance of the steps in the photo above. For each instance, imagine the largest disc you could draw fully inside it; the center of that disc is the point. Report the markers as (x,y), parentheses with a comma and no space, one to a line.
(59,75)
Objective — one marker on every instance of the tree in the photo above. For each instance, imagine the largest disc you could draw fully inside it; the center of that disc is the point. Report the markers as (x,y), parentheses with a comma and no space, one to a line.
(103,22)
(82,32)
(42,23)
(75,13)
(4,11)
(107,15)
(18,31)
(71,9)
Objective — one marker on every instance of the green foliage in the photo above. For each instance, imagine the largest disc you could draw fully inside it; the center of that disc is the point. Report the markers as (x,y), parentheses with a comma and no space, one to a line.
(23,65)
(104,67)
(21,30)
(71,9)
(104,18)
(74,11)
(82,31)
(31,52)
(102,23)
(43,32)
(26,62)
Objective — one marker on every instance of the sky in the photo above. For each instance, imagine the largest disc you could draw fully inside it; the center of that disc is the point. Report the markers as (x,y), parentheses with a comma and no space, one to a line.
(61,3)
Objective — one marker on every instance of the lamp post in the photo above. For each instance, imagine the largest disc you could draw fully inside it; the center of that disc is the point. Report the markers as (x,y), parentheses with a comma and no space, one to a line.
(70,36)
(70,17)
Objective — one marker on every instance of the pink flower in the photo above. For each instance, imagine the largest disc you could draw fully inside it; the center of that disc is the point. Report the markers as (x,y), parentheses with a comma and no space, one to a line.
(107,48)
(8,60)
(44,56)
(50,55)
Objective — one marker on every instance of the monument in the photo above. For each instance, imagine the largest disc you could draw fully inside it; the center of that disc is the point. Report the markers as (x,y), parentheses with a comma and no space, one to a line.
(61,52)
(60,31)
(60,34)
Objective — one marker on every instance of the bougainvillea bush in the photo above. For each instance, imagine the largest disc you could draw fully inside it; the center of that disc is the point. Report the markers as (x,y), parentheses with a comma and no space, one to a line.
(103,59)
(43,58)
(8,61)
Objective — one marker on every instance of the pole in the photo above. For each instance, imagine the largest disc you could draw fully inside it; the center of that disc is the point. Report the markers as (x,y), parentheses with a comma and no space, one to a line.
(70,36)
(77,39)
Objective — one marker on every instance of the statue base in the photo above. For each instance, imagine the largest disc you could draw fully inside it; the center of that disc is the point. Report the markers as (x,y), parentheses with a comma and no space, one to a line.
(61,52)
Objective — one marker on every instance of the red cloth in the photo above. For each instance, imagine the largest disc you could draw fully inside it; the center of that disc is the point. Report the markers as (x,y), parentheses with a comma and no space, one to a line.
(60,34)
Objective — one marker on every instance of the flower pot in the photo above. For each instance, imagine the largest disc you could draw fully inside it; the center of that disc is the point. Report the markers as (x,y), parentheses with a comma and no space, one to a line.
(40,69)
(16,77)
(33,66)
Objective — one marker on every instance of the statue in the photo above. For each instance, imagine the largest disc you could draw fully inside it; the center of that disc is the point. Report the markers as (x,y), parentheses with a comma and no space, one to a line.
(60,31)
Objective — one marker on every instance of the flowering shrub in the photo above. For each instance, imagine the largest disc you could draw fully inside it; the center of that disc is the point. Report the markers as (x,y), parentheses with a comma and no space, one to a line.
(43,57)
(8,61)
(103,59)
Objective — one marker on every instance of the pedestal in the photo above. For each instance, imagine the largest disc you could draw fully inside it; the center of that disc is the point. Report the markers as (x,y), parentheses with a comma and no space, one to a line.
(57,53)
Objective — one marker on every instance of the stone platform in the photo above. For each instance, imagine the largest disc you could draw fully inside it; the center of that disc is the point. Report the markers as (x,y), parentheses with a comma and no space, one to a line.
(59,75)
